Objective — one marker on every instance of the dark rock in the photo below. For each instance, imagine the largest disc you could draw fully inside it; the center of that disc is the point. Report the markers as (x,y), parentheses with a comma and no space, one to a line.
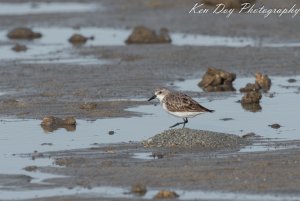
(217,80)
(78,39)
(51,123)
(144,35)
(19,48)
(263,81)
(111,132)
(23,33)
(291,80)
(275,126)
(48,144)
(236,4)
(226,119)
(139,189)
(252,97)
(164,194)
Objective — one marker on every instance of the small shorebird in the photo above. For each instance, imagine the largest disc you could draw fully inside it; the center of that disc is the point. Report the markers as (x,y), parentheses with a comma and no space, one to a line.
(178,104)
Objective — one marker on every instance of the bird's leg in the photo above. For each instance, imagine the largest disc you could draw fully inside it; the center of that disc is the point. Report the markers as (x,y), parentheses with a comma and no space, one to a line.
(184,122)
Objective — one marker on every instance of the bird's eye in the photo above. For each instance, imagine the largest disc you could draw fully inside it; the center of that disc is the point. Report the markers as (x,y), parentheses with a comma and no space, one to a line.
(159,92)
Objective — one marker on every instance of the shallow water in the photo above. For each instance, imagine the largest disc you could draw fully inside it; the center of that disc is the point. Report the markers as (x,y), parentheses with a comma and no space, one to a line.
(54,47)
(118,192)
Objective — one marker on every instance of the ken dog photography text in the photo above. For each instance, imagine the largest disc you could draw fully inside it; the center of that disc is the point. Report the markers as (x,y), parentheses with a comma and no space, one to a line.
(246,8)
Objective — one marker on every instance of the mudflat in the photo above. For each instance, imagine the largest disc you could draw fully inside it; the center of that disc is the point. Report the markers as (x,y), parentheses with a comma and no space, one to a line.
(34,89)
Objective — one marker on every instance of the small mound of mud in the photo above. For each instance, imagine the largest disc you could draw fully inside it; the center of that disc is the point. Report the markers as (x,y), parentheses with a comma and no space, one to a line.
(166,195)
(275,126)
(263,81)
(51,123)
(78,39)
(144,35)
(186,138)
(139,189)
(23,33)
(217,80)
(228,3)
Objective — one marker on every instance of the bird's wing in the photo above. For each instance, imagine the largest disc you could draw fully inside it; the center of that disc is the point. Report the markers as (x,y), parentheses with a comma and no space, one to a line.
(182,103)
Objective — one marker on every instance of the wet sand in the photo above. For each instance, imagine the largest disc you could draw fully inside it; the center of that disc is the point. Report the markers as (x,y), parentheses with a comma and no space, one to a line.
(37,90)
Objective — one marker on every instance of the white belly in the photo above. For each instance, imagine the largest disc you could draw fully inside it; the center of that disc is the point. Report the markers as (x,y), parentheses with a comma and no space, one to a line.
(181,114)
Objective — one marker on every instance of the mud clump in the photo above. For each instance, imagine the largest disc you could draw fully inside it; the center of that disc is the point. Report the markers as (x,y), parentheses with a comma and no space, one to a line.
(249,135)
(51,123)
(144,35)
(139,189)
(157,155)
(78,39)
(190,138)
(292,80)
(250,101)
(228,3)
(166,195)
(263,81)
(250,87)
(88,106)
(32,168)
(217,80)
(111,132)
(252,97)
(23,33)
(275,126)
(19,48)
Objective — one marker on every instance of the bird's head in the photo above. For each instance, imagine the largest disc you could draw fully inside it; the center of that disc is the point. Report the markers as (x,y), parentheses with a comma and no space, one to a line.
(159,93)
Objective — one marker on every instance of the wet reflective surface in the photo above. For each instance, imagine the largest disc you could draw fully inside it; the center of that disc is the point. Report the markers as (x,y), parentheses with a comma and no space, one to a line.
(54,47)
(30,137)
(42,8)
(118,192)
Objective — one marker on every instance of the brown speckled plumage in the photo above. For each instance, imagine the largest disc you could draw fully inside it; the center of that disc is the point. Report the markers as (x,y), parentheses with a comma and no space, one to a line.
(179,102)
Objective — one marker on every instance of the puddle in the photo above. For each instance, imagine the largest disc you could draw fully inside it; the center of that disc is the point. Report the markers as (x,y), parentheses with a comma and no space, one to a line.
(54,46)
(45,8)
(118,192)
(145,156)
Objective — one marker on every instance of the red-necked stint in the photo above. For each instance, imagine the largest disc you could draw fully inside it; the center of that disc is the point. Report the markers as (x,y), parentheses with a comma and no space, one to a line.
(178,104)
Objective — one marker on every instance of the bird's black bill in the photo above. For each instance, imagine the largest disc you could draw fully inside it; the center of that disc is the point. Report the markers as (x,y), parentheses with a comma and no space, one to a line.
(152,98)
